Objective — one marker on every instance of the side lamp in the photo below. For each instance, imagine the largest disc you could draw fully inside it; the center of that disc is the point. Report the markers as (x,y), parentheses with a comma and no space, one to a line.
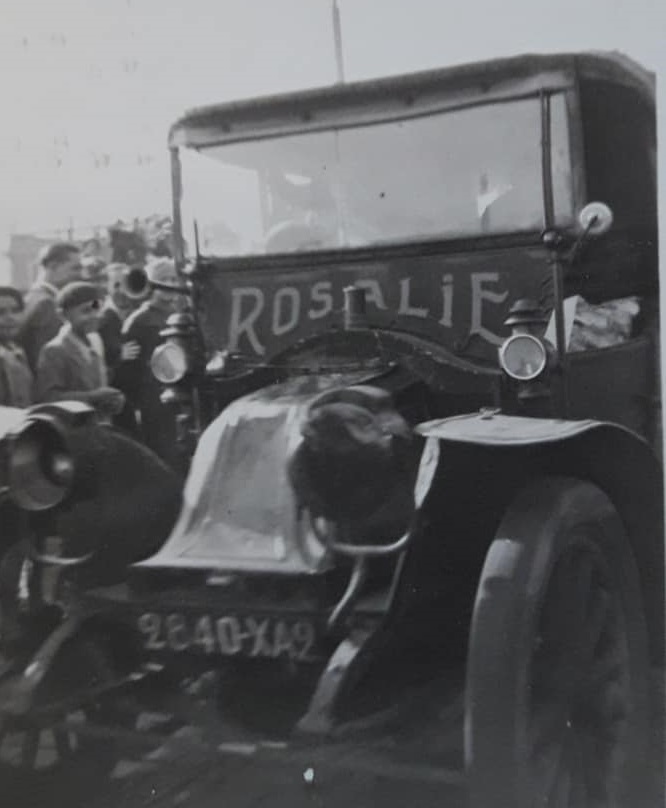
(525,357)
(172,364)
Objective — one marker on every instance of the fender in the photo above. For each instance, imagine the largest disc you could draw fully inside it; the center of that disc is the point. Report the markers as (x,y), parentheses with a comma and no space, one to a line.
(68,413)
(10,419)
(508,452)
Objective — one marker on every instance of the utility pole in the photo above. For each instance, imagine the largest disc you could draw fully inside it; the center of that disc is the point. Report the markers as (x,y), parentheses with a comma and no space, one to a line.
(337,41)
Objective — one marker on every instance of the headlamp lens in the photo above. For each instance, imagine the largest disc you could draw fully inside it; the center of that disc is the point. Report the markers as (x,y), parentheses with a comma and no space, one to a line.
(61,468)
(523,357)
(41,468)
(169,363)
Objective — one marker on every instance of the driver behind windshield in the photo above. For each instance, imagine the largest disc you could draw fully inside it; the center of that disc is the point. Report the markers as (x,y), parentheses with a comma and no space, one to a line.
(306,214)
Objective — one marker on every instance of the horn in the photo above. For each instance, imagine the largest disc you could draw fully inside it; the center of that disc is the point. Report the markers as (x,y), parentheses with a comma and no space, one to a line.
(134,283)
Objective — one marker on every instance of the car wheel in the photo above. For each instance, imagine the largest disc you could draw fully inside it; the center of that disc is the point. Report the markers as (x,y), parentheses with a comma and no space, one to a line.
(556,690)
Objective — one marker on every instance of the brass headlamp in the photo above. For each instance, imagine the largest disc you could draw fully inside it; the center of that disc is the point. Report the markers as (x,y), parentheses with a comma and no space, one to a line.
(173,363)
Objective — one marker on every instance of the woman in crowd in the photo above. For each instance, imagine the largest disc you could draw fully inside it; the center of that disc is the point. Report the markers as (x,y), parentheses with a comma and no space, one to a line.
(16,380)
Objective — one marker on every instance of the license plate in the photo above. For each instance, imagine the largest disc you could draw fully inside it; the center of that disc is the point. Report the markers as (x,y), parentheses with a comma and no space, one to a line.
(229,636)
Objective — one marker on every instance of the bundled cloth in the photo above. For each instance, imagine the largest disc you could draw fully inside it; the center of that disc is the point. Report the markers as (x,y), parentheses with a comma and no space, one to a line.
(590,326)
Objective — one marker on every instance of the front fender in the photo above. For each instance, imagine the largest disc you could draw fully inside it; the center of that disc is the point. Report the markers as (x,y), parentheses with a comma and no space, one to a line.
(508,452)
(491,428)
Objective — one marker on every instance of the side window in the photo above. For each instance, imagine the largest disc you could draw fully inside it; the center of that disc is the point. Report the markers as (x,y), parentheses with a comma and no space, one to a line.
(619,133)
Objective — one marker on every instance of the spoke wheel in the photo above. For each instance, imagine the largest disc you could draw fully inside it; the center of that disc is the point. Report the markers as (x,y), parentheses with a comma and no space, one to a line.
(556,695)
(38,756)
(580,701)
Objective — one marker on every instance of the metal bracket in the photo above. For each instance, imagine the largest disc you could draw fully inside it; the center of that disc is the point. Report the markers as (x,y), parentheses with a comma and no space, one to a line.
(16,694)
(318,720)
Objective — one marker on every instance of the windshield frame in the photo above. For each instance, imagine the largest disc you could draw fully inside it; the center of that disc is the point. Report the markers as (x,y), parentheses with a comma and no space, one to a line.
(543,96)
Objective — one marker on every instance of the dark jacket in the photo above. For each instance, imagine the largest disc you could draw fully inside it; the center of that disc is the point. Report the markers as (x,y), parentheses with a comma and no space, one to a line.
(135,379)
(110,330)
(41,321)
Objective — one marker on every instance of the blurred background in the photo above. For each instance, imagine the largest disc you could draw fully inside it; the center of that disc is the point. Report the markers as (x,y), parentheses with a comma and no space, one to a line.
(89,89)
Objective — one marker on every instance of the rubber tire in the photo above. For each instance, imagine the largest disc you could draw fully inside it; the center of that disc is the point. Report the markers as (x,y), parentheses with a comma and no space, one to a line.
(513,584)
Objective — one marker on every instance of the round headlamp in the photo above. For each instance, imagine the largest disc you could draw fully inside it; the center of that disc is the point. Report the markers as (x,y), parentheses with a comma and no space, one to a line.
(169,363)
(523,357)
(41,468)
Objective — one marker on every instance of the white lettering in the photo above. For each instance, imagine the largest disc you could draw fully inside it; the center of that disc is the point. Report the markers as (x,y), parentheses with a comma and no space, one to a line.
(150,624)
(229,636)
(239,325)
(321,293)
(405,307)
(283,640)
(374,293)
(447,301)
(203,634)
(293,299)
(479,295)
(259,630)
(304,634)
(177,632)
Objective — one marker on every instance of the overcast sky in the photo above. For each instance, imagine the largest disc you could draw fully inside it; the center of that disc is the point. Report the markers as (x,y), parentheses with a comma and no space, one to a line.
(89,87)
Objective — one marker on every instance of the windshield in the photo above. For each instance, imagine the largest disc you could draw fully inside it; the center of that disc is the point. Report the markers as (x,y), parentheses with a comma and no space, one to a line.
(460,173)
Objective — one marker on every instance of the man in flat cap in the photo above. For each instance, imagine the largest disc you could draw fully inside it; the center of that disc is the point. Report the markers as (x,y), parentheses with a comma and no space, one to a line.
(134,376)
(60,264)
(69,368)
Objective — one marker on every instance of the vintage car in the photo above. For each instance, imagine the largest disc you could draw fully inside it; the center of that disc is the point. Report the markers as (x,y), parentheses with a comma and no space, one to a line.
(418,396)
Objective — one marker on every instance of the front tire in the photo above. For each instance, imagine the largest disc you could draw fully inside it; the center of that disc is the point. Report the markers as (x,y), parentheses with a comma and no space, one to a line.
(556,693)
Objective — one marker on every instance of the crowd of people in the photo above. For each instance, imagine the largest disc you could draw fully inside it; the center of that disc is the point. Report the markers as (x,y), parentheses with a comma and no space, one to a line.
(78,335)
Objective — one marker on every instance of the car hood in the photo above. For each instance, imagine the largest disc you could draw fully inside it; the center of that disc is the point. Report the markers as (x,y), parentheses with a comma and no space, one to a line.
(239,511)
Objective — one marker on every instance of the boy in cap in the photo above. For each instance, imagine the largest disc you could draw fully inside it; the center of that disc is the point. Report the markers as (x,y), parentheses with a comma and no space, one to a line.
(69,367)
(134,376)
(15,376)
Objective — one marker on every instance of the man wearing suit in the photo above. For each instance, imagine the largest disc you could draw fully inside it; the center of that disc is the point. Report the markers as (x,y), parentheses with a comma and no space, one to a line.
(60,264)
(69,368)
(134,376)
(116,309)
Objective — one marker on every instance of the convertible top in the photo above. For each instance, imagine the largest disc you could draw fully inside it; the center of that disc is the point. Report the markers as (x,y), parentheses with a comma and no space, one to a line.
(343,105)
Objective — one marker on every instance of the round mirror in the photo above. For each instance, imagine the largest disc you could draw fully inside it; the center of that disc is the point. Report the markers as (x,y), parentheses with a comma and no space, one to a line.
(596,218)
